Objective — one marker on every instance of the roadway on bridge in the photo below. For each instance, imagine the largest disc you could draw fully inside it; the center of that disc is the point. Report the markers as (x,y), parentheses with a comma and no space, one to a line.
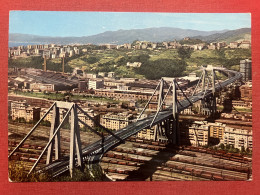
(94,152)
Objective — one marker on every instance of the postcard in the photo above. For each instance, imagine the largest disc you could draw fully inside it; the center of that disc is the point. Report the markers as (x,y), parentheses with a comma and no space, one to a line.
(129,96)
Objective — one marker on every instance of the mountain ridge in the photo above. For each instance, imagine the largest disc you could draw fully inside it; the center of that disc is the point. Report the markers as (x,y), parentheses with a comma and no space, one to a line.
(157,34)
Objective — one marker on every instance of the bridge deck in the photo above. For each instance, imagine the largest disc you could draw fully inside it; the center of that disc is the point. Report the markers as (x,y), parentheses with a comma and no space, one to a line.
(94,152)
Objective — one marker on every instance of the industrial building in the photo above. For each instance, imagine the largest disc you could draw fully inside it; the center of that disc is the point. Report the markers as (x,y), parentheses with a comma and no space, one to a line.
(37,79)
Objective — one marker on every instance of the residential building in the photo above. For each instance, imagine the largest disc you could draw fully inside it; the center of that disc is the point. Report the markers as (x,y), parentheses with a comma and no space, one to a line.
(116,121)
(233,44)
(246,69)
(20,109)
(134,64)
(95,84)
(245,45)
(198,134)
(246,91)
(238,137)
(111,74)
(148,134)
(87,119)
(91,76)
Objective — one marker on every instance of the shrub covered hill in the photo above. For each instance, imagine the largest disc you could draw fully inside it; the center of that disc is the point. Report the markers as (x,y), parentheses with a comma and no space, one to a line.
(155,63)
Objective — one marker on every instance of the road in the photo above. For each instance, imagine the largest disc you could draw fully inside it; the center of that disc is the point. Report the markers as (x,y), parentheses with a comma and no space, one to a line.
(94,152)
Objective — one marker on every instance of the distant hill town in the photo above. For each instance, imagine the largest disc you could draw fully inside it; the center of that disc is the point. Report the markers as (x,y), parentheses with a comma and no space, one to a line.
(128,36)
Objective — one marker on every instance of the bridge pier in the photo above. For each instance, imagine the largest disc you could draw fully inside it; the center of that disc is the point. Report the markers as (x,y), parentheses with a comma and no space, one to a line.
(75,142)
(175,129)
(208,104)
(54,124)
(168,130)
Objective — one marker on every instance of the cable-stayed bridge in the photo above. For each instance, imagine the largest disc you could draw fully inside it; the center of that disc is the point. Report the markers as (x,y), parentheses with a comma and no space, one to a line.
(165,120)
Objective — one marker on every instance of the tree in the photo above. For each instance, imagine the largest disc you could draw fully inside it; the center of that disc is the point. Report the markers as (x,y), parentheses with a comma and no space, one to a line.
(222,146)
(162,68)
(227,147)
(91,60)
(184,52)
(17,172)
(243,149)
(21,120)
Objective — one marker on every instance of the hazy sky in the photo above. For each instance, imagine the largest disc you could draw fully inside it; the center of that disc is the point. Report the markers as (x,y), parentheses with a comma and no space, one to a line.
(52,23)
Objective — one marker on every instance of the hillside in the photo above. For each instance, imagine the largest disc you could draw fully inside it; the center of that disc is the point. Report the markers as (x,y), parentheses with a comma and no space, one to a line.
(115,37)
(165,62)
(229,36)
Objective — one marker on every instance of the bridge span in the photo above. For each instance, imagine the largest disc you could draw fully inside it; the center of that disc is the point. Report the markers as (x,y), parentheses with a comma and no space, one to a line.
(93,153)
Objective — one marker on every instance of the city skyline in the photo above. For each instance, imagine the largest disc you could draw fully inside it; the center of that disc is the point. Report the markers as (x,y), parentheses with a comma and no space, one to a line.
(63,24)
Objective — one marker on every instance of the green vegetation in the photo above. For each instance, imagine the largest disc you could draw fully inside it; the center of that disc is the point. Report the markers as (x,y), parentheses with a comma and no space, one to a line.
(184,53)
(191,42)
(230,149)
(183,60)
(18,173)
(91,60)
(239,109)
(37,62)
(242,36)
(162,68)
(85,175)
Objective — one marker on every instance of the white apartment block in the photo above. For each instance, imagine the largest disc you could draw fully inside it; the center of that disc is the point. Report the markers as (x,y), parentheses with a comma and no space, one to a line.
(95,84)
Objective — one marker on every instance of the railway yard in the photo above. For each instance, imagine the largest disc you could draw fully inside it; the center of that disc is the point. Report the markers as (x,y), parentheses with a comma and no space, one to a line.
(140,160)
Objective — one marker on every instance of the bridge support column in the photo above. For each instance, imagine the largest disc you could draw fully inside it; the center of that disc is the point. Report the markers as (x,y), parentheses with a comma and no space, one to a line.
(175,129)
(203,79)
(158,128)
(213,103)
(75,142)
(54,124)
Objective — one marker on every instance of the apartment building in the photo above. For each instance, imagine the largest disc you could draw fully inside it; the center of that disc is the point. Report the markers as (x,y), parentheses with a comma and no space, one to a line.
(116,121)
(198,134)
(81,116)
(95,84)
(202,133)
(87,119)
(20,109)
(238,137)
(148,134)
(246,91)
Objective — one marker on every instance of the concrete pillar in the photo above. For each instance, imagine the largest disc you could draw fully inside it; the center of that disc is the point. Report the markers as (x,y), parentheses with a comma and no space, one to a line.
(203,79)
(77,140)
(54,124)
(176,138)
(72,141)
(160,99)
(57,137)
(214,109)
